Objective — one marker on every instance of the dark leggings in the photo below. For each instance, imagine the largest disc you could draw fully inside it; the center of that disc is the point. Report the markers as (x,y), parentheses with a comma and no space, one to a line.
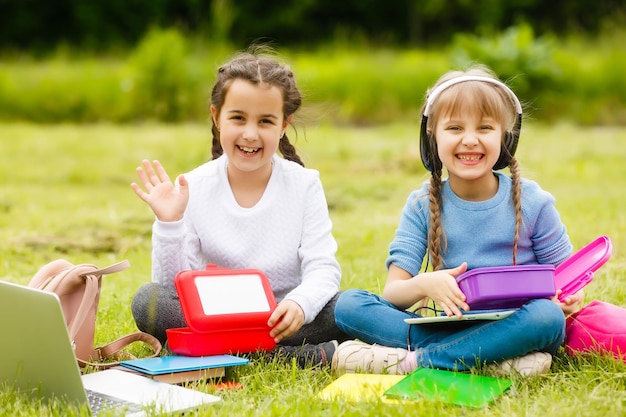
(156,308)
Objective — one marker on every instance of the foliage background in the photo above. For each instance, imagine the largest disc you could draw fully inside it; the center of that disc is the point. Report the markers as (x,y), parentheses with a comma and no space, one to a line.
(359,62)
(168,76)
(96,24)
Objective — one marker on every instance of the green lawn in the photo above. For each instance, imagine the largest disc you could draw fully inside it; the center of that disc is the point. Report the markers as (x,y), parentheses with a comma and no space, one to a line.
(65,193)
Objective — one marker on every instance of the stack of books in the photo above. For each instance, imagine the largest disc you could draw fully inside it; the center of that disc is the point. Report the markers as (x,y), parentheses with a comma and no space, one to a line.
(182,369)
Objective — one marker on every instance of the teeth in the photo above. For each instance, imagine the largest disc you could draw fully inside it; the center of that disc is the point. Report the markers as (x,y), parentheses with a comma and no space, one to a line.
(248,150)
(470,158)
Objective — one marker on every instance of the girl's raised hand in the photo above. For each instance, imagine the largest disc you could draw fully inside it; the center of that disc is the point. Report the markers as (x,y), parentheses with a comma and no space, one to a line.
(166,200)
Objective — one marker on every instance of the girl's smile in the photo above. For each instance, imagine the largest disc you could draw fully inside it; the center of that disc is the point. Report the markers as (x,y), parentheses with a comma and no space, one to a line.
(470,158)
(247,150)
(469,145)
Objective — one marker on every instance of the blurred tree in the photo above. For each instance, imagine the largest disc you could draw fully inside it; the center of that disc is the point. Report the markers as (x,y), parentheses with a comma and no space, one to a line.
(222,17)
(96,24)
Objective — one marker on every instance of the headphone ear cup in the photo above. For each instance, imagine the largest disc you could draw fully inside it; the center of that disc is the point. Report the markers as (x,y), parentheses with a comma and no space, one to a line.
(425,147)
(428,152)
(428,149)
(511,138)
(435,162)
(508,150)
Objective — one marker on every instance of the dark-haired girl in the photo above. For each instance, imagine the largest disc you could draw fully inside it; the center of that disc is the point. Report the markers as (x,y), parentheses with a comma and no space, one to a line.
(247,208)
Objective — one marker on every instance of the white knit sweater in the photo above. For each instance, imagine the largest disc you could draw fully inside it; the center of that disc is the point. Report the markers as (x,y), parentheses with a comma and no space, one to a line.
(287,234)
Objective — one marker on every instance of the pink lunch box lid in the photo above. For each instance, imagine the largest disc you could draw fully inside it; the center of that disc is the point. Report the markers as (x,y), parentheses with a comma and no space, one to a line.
(578,270)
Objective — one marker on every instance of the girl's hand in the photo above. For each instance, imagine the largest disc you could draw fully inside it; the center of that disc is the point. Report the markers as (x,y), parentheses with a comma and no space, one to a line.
(286,319)
(441,287)
(571,302)
(166,201)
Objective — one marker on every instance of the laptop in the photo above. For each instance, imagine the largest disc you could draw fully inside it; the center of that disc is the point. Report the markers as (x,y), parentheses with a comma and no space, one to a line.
(37,358)
(467,316)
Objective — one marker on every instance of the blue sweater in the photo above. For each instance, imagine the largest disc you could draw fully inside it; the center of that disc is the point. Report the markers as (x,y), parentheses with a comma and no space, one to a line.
(481,233)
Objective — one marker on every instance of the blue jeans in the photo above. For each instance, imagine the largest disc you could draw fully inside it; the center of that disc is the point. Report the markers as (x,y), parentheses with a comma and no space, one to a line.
(538,326)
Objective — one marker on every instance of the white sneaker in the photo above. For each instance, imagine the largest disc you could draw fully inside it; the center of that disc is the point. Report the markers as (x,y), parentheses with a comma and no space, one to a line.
(535,363)
(354,356)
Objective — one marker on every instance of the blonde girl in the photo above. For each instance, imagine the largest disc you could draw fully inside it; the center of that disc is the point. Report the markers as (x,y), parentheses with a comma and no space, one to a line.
(475,217)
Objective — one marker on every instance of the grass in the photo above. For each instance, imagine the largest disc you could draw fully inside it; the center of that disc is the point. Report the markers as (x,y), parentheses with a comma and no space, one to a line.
(65,193)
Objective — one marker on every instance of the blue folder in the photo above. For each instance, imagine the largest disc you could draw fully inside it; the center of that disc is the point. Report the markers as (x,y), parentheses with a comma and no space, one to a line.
(171,364)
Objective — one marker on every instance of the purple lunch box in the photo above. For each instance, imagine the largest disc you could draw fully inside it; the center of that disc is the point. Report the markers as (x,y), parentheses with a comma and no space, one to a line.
(502,287)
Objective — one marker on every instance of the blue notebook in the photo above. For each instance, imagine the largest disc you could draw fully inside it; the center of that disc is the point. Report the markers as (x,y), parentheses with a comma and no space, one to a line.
(171,364)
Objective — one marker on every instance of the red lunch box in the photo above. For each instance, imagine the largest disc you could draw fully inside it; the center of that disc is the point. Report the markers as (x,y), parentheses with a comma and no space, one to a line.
(226,310)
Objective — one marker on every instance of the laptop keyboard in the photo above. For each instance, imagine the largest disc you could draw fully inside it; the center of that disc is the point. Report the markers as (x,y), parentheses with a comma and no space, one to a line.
(99,402)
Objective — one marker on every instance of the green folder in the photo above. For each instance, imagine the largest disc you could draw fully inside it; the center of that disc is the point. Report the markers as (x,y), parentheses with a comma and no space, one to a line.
(457,388)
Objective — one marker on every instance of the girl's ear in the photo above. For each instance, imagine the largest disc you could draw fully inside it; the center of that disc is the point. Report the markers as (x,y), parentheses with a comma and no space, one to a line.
(286,123)
(215,116)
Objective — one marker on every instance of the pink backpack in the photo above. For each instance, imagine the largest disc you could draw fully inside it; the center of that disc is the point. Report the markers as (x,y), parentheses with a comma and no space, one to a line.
(78,288)
(597,327)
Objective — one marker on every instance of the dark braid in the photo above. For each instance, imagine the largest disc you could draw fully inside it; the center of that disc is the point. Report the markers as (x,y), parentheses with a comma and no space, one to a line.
(216,148)
(257,68)
(288,150)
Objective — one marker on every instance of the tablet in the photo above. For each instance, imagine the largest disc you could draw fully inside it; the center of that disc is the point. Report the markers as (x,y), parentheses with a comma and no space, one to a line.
(469,316)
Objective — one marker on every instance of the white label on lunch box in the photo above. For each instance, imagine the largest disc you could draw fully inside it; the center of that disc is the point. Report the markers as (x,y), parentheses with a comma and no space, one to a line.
(231,294)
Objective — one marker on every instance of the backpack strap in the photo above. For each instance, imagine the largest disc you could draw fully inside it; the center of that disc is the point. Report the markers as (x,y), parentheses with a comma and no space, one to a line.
(114,350)
(111,269)
(46,273)
(91,274)
(89,297)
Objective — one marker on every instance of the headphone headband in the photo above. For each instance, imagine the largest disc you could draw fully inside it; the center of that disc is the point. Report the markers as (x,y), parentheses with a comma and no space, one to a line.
(439,89)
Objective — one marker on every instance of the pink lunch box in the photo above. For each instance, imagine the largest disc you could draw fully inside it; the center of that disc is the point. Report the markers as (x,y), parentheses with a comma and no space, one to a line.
(512,286)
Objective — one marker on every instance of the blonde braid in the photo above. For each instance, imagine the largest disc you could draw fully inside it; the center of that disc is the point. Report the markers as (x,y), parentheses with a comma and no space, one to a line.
(435,231)
(516,195)
(436,237)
